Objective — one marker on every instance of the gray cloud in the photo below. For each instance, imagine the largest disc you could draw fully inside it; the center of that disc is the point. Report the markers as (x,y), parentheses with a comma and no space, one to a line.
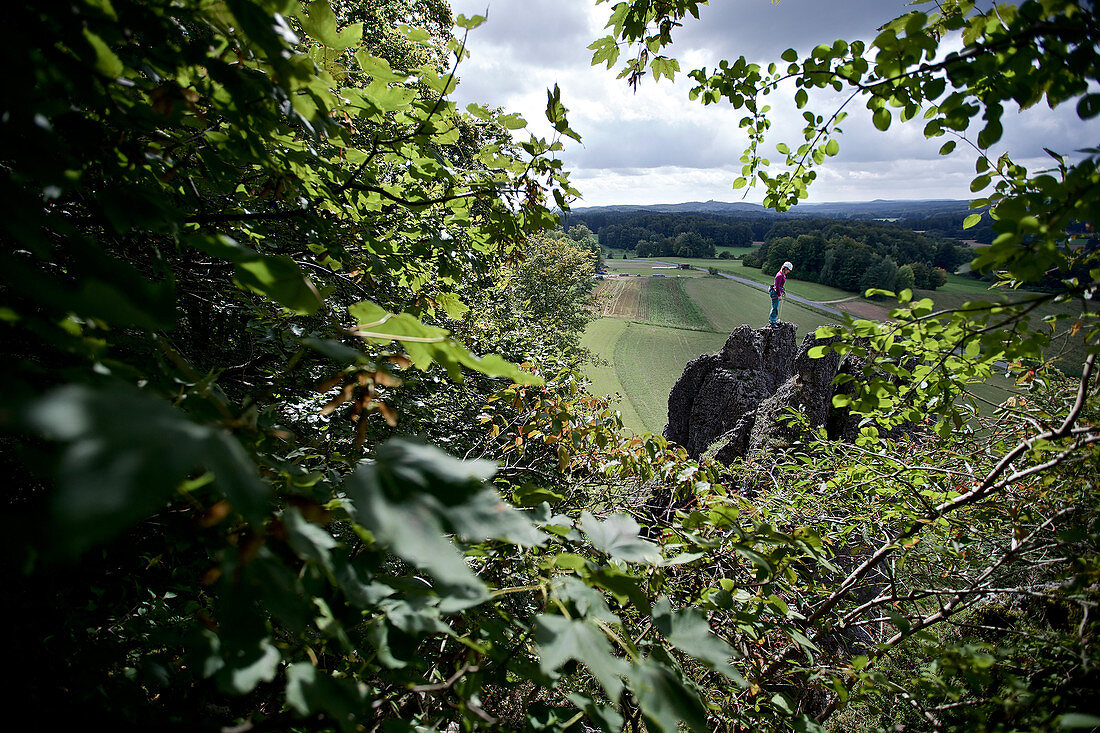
(544,33)
(648,144)
(761,29)
(659,146)
(489,84)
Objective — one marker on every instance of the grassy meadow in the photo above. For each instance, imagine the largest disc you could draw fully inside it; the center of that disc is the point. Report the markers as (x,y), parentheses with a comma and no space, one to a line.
(652,327)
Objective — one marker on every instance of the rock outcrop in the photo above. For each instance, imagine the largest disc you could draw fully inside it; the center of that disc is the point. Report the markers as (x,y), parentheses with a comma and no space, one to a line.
(731,404)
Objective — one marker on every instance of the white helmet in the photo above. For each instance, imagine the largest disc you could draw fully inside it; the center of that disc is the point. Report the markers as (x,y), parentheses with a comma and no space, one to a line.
(787,265)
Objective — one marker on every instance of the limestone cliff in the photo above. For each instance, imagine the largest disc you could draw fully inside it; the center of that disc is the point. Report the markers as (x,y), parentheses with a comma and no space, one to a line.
(729,404)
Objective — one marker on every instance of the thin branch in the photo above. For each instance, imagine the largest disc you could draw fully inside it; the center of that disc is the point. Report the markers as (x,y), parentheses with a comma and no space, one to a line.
(449,683)
(409,202)
(990,483)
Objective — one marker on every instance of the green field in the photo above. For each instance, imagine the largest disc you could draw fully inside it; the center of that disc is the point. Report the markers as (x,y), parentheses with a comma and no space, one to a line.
(649,359)
(600,338)
(802,288)
(668,304)
(961,284)
(686,318)
(647,268)
(727,305)
(639,362)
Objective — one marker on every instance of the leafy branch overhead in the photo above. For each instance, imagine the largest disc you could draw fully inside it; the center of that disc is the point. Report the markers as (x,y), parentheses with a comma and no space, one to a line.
(1010,55)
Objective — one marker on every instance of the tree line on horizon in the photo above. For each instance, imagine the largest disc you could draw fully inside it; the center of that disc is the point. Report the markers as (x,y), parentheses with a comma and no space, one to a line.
(856,256)
(850,255)
(620,229)
(661,232)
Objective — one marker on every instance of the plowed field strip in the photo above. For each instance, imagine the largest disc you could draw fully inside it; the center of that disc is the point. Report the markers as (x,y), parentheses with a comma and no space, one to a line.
(663,301)
(624,298)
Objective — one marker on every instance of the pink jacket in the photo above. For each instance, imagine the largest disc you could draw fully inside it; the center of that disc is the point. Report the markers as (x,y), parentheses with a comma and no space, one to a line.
(780,281)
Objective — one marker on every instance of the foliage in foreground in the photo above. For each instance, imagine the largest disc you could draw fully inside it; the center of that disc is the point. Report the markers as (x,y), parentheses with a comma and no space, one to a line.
(239,241)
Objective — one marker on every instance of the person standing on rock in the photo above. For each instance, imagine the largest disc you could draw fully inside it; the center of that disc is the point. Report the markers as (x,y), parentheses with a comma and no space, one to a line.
(778,292)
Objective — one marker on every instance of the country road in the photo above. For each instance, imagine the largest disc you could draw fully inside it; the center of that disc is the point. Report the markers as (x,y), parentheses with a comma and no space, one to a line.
(745,281)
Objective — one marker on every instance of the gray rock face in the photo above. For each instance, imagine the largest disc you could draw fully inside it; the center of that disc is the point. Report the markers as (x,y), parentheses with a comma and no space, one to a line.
(716,391)
(730,404)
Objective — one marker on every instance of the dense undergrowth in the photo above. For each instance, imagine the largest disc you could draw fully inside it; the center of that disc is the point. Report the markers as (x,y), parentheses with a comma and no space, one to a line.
(296,441)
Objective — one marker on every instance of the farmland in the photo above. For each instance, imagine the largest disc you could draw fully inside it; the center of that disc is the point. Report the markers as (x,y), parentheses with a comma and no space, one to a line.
(806,289)
(650,328)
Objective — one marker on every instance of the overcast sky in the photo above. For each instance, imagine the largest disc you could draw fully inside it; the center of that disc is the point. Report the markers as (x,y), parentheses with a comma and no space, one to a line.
(657,146)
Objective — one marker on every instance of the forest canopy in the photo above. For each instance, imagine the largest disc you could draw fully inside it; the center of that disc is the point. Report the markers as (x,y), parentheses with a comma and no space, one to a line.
(858,256)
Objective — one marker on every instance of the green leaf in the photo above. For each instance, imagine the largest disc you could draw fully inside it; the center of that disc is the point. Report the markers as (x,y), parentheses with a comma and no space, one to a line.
(556,113)
(626,588)
(479,111)
(452,305)
(990,134)
(561,639)
(980,182)
(276,276)
(618,537)
(664,698)
(388,98)
(587,601)
(1078,720)
(339,353)
(378,68)
(428,344)
(279,278)
(414,494)
(469,23)
(528,496)
(1089,106)
(486,516)
(308,541)
(805,724)
(606,51)
(971,221)
(947,147)
(663,66)
(247,666)
(688,631)
(105,6)
(127,452)
(106,62)
(512,121)
(320,24)
(607,719)
(881,118)
(309,692)
(755,557)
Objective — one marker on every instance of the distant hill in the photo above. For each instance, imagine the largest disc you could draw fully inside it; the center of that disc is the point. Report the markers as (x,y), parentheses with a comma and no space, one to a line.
(691,207)
(722,224)
(878,209)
